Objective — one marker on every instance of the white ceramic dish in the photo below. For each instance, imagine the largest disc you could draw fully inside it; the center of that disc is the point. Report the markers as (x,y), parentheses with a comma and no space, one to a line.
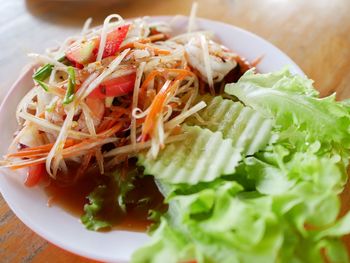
(63,229)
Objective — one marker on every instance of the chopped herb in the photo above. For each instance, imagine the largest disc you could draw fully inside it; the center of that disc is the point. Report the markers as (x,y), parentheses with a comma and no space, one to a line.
(42,74)
(68,98)
(64,61)
(125,185)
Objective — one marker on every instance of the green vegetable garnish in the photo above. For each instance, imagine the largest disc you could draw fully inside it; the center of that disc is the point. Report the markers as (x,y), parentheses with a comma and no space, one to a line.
(64,61)
(113,194)
(124,186)
(96,199)
(42,74)
(280,203)
(69,97)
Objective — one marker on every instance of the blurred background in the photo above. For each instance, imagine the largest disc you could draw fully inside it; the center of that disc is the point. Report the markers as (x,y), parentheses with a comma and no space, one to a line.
(314,33)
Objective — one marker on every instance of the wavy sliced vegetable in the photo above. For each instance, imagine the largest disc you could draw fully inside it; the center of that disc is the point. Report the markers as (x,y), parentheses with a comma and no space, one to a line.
(204,157)
(281,204)
(247,128)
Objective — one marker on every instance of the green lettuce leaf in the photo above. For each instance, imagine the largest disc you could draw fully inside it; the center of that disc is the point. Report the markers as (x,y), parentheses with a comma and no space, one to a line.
(167,245)
(124,186)
(292,101)
(110,196)
(281,202)
(90,218)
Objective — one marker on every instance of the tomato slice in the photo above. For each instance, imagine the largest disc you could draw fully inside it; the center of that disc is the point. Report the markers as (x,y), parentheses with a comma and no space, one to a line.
(86,52)
(35,174)
(114,40)
(115,87)
(83,53)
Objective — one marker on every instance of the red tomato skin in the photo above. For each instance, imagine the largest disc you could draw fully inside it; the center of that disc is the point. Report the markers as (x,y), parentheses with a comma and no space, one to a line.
(114,40)
(87,52)
(35,174)
(115,87)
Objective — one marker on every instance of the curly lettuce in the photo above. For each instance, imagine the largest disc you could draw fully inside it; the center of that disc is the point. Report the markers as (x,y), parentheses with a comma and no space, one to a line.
(281,202)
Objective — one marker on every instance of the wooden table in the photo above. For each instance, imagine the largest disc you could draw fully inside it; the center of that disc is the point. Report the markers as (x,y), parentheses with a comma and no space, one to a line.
(315,34)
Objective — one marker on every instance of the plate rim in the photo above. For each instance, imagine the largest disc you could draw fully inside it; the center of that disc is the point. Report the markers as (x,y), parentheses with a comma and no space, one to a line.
(29,67)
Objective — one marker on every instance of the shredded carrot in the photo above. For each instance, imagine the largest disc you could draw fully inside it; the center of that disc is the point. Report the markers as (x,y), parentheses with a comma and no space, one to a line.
(156,50)
(84,165)
(177,130)
(111,131)
(143,41)
(120,109)
(165,73)
(257,61)
(150,77)
(174,104)
(158,84)
(107,124)
(140,121)
(111,119)
(43,150)
(111,124)
(178,64)
(186,61)
(156,37)
(32,151)
(185,98)
(179,71)
(156,107)
(129,45)
(27,164)
(103,125)
(243,63)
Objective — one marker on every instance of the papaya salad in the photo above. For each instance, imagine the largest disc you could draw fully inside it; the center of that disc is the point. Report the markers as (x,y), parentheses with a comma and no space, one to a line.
(247,166)
(129,84)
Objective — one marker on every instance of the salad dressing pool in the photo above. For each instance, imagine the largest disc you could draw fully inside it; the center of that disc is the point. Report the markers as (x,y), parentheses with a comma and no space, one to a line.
(72,199)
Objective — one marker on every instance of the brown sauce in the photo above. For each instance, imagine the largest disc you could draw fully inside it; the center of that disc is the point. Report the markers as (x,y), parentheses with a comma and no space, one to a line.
(72,199)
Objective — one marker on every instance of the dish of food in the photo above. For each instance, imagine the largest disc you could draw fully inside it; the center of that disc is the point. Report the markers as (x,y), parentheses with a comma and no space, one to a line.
(151,125)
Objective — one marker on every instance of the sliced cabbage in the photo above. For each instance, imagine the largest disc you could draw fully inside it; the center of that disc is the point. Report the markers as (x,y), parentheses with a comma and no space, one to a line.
(247,128)
(234,130)
(203,157)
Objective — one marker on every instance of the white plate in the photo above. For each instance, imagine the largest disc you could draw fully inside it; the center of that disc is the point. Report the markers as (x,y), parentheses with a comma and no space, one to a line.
(65,230)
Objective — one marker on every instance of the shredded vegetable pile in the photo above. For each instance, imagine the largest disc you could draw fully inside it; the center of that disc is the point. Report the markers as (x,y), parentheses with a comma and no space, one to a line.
(127,84)
(250,165)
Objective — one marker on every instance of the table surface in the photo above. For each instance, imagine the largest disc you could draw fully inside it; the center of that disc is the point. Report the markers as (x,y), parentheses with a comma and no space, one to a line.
(315,34)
